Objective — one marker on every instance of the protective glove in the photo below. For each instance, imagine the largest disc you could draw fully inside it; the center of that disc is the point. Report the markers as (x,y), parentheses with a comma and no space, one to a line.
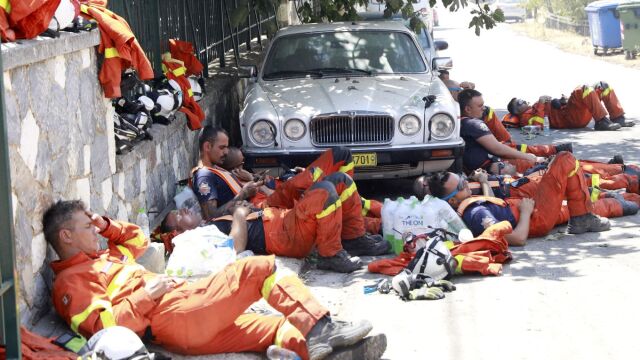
(445,285)
(426,293)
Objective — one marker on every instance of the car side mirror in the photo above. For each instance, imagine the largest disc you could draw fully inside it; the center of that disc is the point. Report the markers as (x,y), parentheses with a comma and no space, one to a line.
(250,71)
(441,44)
(442,63)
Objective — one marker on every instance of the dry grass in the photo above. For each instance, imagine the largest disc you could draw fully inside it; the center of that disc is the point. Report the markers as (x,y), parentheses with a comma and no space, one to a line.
(570,42)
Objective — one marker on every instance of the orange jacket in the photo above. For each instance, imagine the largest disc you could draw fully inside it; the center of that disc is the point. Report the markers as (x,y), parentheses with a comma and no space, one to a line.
(118,44)
(25,19)
(183,51)
(94,291)
(36,347)
(496,127)
(175,70)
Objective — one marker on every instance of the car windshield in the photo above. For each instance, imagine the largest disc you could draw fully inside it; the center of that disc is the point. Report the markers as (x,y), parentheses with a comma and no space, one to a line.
(344,52)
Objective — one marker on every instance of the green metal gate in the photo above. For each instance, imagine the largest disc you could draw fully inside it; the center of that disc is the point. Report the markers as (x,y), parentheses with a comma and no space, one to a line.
(10,330)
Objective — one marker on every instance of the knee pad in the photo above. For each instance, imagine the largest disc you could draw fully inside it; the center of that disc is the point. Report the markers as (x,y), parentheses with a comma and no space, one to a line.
(339,177)
(329,188)
(341,153)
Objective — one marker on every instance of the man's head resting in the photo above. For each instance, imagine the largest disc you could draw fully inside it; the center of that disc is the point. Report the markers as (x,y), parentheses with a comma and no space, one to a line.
(450,187)
(233,160)
(180,221)
(69,229)
(471,103)
(517,106)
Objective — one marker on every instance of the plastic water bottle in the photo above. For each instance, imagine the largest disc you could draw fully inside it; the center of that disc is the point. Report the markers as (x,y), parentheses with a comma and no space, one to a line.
(277,353)
(143,221)
(545,126)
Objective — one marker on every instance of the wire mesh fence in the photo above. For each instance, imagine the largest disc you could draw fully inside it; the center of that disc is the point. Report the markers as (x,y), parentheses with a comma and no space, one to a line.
(558,22)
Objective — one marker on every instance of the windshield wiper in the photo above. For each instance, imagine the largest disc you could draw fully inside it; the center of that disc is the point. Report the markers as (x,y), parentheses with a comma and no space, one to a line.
(292,73)
(344,70)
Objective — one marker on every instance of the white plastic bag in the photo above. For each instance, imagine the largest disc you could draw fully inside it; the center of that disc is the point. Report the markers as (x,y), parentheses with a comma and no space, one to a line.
(200,252)
(186,198)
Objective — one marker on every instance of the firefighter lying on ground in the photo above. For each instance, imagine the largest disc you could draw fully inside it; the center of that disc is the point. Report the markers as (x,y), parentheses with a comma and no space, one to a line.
(95,288)
(576,112)
(531,217)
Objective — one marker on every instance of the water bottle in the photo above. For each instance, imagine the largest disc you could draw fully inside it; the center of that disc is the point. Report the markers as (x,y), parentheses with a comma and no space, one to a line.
(143,221)
(277,353)
(545,126)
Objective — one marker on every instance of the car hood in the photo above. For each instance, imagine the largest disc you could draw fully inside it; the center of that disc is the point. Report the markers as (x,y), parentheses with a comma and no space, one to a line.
(330,95)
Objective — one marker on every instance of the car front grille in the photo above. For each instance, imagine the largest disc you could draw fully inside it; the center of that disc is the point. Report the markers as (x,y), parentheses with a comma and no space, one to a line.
(351,129)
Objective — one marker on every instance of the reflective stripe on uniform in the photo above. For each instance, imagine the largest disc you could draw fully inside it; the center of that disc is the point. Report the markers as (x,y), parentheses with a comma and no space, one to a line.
(120,279)
(6,5)
(459,259)
(179,71)
(348,192)
(190,92)
(317,172)
(575,170)
(595,187)
(586,91)
(331,208)
(366,206)
(536,119)
(271,281)
(111,53)
(523,148)
(107,319)
(125,251)
(489,116)
(346,168)
(136,241)
(282,331)
(84,8)
(76,344)
(605,92)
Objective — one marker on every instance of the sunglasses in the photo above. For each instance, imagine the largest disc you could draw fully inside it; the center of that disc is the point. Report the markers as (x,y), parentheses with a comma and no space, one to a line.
(462,183)
(521,102)
(455,89)
(500,168)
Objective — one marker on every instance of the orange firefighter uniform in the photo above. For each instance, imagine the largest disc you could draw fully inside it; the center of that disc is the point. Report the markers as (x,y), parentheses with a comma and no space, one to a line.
(183,51)
(25,19)
(118,44)
(175,69)
(94,291)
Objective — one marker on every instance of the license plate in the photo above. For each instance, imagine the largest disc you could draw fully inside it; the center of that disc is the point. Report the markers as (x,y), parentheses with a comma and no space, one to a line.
(365,159)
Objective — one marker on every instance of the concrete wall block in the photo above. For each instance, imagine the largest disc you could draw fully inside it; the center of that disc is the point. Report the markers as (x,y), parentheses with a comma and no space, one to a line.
(12,115)
(30,134)
(60,71)
(86,159)
(60,179)
(27,283)
(44,200)
(107,193)
(83,191)
(43,164)
(158,153)
(38,252)
(73,78)
(24,184)
(143,174)
(21,86)
(87,111)
(100,168)
(40,80)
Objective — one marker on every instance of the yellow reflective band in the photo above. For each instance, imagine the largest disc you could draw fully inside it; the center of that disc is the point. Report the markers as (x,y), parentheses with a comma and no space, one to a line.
(459,259)
(120,279)
(348,192)
(595,190)
(137,241)
(346,168)
(605,92)
(586,91)
(190,92)
(537,119)
(76,343)
(490,115)
(281,332)
(111,53)
(179,71)
(366,206)
(164,69)
(130,258)
(449,244)
(333,207)
(575,170)
(6,5)
(523,148)
(84,8)
(317,172)
(78,319)
(107,319)
(271,281)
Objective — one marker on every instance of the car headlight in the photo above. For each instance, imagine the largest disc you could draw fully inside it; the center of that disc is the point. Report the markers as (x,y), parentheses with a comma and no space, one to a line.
(294,129)
(263,132)
(442,126)
(409,125)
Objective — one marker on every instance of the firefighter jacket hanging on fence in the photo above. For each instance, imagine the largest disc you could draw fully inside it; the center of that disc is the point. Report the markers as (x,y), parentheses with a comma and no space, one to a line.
(118,44)
(183,51)
(175,69)
(25,19)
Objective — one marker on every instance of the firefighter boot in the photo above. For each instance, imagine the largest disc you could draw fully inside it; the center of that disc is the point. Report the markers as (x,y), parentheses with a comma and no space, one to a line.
(616,159)
(606,125)
(367,245)
(371,347)
(564,147)
(335,334)
(622,121)
(340,262)
(587,223)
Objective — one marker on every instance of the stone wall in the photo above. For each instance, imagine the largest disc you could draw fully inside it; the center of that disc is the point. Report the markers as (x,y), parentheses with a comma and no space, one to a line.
(61,146)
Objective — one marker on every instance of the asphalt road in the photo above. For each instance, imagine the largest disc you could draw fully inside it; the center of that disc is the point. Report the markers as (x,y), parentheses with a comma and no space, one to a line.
(564,296)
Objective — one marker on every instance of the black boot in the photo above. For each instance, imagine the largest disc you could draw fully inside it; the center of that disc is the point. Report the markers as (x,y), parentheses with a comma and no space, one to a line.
(587,223)
(606,125)
(564,147)
(367,245)
(332,334)
(340,262)
(622,121)
(370,348)
(616,159)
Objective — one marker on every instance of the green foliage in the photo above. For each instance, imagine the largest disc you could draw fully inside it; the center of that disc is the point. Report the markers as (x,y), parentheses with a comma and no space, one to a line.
(573,9)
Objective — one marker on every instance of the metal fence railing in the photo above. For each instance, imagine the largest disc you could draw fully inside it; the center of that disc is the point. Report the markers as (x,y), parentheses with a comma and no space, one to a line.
(205,23)
(557,22)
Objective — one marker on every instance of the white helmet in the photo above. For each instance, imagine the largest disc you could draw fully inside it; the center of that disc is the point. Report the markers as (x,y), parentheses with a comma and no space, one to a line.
(433,261)
(117,342)
(64,16)
(195,88)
